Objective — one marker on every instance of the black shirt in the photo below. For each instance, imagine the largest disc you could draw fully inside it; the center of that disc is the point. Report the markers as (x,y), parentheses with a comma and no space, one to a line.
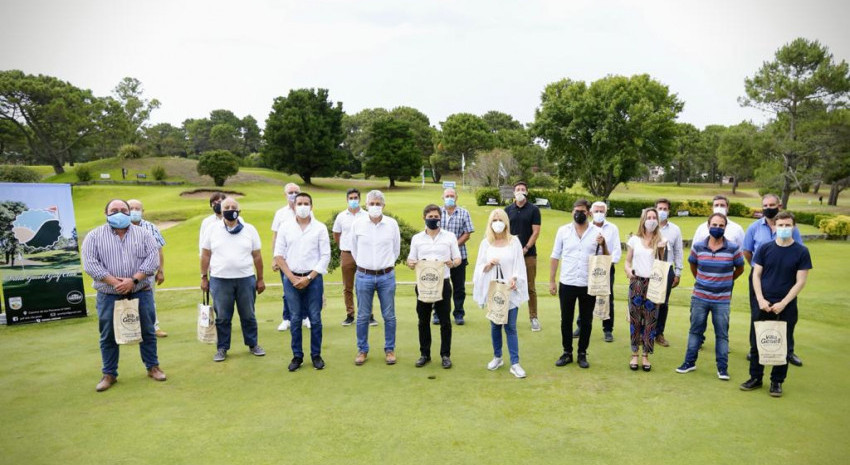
(779,268)
(522,218)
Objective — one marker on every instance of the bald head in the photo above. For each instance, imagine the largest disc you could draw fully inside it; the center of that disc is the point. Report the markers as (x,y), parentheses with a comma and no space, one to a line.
(135,204)
(229,204)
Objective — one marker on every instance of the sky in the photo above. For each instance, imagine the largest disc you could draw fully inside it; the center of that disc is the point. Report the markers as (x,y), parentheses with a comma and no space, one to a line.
(441,57)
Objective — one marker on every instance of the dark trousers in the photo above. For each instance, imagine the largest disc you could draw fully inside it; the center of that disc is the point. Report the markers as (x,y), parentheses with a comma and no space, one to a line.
(441,308)
(568,296)
(662,309)
(607,325)
(458,277)
(754,309)
(789,315)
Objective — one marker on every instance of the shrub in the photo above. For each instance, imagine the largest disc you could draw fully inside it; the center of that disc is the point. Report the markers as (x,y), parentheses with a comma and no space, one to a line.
(345,175)
(557,200)
(17,173)
(83,173)
(836,227)
(130,152)
(739,209)
(543,180)
(821,217)
(219,165)
(805,217)
(483,194)
(158,172)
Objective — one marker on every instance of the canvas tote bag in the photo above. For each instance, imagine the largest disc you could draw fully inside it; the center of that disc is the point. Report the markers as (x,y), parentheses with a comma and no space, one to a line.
(771,342)
(602,310)
(656,292)
(429,280)
(126,322)
(498,299)
(599,274)
(206,321)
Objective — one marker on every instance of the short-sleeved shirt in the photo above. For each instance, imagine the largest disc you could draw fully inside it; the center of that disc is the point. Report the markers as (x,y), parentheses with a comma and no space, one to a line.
(733,233)
(522,219)
(282,215)
(715,270)
(574,253)
(779,267)
(443,247)
(231,254)
(642,257)
(151,228)
(458,223)
(342,226)
(759,233)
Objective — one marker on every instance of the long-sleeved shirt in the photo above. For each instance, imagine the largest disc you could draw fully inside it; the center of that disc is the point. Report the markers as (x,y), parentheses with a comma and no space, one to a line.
(512,264)
(105,253)
(675,251)
(375,246)
(304,250)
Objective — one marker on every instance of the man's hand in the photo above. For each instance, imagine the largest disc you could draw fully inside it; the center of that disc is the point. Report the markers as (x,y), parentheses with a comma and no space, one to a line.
(600,239)
(274,266)
(411,263)
(777,307)
(205,284)
(512,284)
(261,286)
(160,277)
(764,305)
(300,282)
(675,281)
(553,288)
(125,286)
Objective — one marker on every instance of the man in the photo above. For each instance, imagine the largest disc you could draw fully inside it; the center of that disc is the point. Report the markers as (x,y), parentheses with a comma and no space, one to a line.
(375,246)
(734,231)
(121,258)
(342,236)
(675,252)
(457,221)
(574,244)
(215,205)
(231,253)
(760,232)
(285,213)
(716,263)
(302,253)
(612,239)
(435,244)
(780,269)
(136,213)
(525,224)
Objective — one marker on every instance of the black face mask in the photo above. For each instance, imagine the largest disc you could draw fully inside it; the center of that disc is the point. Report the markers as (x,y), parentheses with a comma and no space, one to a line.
(231,215)
(432,223)
(770,212)
(580,217)
(216,208)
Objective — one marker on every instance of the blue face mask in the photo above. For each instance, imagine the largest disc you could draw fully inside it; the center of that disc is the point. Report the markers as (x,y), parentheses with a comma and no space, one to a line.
(118,220)
(662,215)
(784,233)
(450,201)
(716,233)
(135,216)
(354,204)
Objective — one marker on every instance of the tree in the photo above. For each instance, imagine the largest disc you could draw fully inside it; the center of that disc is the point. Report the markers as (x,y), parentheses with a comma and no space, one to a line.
(604,133)
(9,210)
(135,110)
(802,73)
(223,130)
(421,128)
(491,167)
(462,135)
(357,129)
(303,134)
(252,139)
(834,152)
(739,152)
(165,140)
(219,165)
(687,152)
(54,117)
(392,151)
(709,141)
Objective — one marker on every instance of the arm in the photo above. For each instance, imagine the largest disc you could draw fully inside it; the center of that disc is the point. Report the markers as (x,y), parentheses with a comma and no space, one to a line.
(463,238)
(336,237)
(160,273)
(739,270)
(258,265)
(396,242)
(275,266)
(694,269)
(535,232)
(413,256)
(553,272)
(762,303)
(454,255)
(468,229)
(802,275)
(678,258)
(749,256)
(324,255)
(628,266)
(205,269)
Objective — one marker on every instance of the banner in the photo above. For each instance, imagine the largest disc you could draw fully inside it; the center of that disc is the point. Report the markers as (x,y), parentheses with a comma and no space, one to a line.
(39,254)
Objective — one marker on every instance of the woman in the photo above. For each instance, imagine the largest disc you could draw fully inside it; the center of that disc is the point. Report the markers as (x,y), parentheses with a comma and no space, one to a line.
(500,251)
(643,249)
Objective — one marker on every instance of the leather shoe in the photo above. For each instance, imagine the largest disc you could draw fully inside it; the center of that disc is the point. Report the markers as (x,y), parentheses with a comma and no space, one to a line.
(459,321)
(447,362)
(750,384)
(423,360)
(609,336)
(161,333)
(775,389)
(295,363)
(582,360)
(390,358)
(156,373)
(793,359)
(360,359)
(318,363)
(661,341)
(564,360)
(106,382)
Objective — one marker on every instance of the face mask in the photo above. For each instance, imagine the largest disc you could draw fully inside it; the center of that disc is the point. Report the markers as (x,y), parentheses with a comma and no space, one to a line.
(303,211)
(354,204)
(716,233)
(135,216)
(662,215)
(650,225)
(375,211)
(450,202)
(519,196)
(580,217)
(216,208)
(784,233)
(291,197)
(432,223)
(235,229)
(231,215)
(498,226)
(598,217)
(118,220)
(769,213)
(721,210)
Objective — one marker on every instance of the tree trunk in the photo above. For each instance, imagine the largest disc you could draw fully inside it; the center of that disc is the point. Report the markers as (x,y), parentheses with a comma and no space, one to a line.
(734,185)
(679,175)
(836,189)
(786,191)
(58,168)
(306,177)
(816,187)
(392,182)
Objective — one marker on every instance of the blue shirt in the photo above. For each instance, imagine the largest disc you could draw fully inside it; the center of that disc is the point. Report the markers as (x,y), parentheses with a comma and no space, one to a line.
(107,254)
(759,233)
(779,268)
(715,270)
(151,228)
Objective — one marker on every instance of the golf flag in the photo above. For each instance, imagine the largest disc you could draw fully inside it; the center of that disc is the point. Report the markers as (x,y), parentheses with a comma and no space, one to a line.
(422,173)
(462,163)
(502,172)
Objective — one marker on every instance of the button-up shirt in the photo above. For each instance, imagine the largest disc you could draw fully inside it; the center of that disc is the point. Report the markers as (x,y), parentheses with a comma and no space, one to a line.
(734,233)
(759,233)
(574,252)
(304,250)
(375,246)
(675,251)
(611,233)
(442,247)
(105,253)
(281,216)
(342,226)
(458,223)
(151,228)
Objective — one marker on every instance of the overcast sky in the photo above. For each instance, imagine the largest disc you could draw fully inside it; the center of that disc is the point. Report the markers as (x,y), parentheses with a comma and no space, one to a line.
(441,57)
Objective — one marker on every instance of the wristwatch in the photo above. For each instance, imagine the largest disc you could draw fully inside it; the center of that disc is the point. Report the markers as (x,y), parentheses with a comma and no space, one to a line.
(135,281)
(203,276)
(309,278)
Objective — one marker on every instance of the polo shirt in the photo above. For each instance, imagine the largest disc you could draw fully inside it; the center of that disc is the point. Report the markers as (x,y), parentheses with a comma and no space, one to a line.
(342,226)
(715,270)
(522,219)
(733,233)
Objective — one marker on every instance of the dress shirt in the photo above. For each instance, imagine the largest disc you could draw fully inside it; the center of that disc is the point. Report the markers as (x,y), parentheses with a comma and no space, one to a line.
(105,253)
(151,228)
(342,225)
(304,250)
(231,255)
(612,239)
(759,233)
(458,223)
(375,246)
(282,215)
(574,252)
(443,247)
(734,233)
(675,252)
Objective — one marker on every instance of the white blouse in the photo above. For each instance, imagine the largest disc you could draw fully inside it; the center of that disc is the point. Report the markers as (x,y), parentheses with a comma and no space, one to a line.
(642,256)
(512,263)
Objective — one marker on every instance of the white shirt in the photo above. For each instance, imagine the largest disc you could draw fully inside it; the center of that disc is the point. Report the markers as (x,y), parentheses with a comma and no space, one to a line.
(342,225)
(205,224)
(442,247)
(304,250)
(675,252)
(642,256)
(231,254)
(375,246)
(734,233)
(612,239)
(512,263)
(574,252)
(282,215)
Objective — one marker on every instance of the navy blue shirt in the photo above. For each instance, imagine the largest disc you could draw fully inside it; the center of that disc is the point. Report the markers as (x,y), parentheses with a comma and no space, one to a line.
(522,218)
(779,268)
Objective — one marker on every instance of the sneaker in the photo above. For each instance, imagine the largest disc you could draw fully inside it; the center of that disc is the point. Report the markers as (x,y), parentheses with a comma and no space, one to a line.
(435,320)
(582,360)
(257,350)
(723,374)
(372,321)
(564,360)
(687,367)
(220,355)
(447,362)
(661,341)
(576,333)
(535,324)
(422,361)
(517,371)
(750,384)
(495,364)
(609,336)
(775,389)
(295,363)
(318,363)
(306,323)
(283,326)
(348,320)
(459,321)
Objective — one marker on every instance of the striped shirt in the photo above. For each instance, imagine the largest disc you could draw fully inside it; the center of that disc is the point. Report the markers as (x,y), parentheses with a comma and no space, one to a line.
(151,228)
(458,223)
(107,254)
(715,270)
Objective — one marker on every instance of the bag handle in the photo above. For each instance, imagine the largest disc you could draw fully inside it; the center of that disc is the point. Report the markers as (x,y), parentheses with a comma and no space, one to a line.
(661,253)
(597,248)
(499,274)
(205,297)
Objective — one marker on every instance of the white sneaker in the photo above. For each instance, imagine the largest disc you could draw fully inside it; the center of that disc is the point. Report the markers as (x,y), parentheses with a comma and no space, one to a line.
(495,363)
(306,322)
(283,326)
(517,371)
(535,324)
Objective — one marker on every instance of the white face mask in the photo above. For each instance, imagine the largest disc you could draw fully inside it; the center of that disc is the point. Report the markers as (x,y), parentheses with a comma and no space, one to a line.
(598,217)
(721,210)
(650,225)
(498,226)
(519,196)
(303,211)
(663,214)
(375,211)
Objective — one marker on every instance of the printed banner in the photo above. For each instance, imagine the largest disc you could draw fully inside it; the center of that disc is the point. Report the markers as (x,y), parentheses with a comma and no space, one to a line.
(40,268)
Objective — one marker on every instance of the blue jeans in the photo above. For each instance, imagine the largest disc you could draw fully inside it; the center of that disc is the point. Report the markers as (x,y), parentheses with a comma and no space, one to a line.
(365,285)
(720,321)
(286,313)
(242,292)
(510,331)
(108,347)
(307,303)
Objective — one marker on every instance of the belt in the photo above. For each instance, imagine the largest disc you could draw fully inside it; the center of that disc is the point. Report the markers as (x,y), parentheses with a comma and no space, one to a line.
(346,251)
(375,272)
(301,275)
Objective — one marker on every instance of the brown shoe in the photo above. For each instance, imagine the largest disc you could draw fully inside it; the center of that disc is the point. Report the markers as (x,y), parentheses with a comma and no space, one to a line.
(390,358)
(360,359)
(105,383)
(156,374)
(161,333)
(661,341)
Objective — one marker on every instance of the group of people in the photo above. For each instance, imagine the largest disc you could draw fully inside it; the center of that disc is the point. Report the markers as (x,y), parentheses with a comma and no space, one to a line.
(125,261)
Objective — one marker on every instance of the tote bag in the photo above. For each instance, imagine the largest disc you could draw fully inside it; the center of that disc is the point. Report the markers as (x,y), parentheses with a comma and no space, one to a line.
(602,310)
(771,342)
(126,322)
(656,292)
(599,274)
(498,299)
(429,280)
(206,321)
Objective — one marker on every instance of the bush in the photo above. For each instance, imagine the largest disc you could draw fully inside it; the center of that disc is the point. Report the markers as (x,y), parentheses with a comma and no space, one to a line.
(253,160)
(805,217)
(836,227)
(83,173)
(130,152)
(483,194)
(407,232)
(158,173)
(820,218)
(543,180)
(219,165)
(345,175)
(17,173)
(739,209)
(557,200)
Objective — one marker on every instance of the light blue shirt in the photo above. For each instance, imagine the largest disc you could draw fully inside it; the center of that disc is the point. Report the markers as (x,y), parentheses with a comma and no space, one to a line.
(759,233)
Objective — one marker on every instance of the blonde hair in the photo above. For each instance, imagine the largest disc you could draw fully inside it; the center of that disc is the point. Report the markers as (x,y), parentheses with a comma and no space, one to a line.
(641,232)
(500,215)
